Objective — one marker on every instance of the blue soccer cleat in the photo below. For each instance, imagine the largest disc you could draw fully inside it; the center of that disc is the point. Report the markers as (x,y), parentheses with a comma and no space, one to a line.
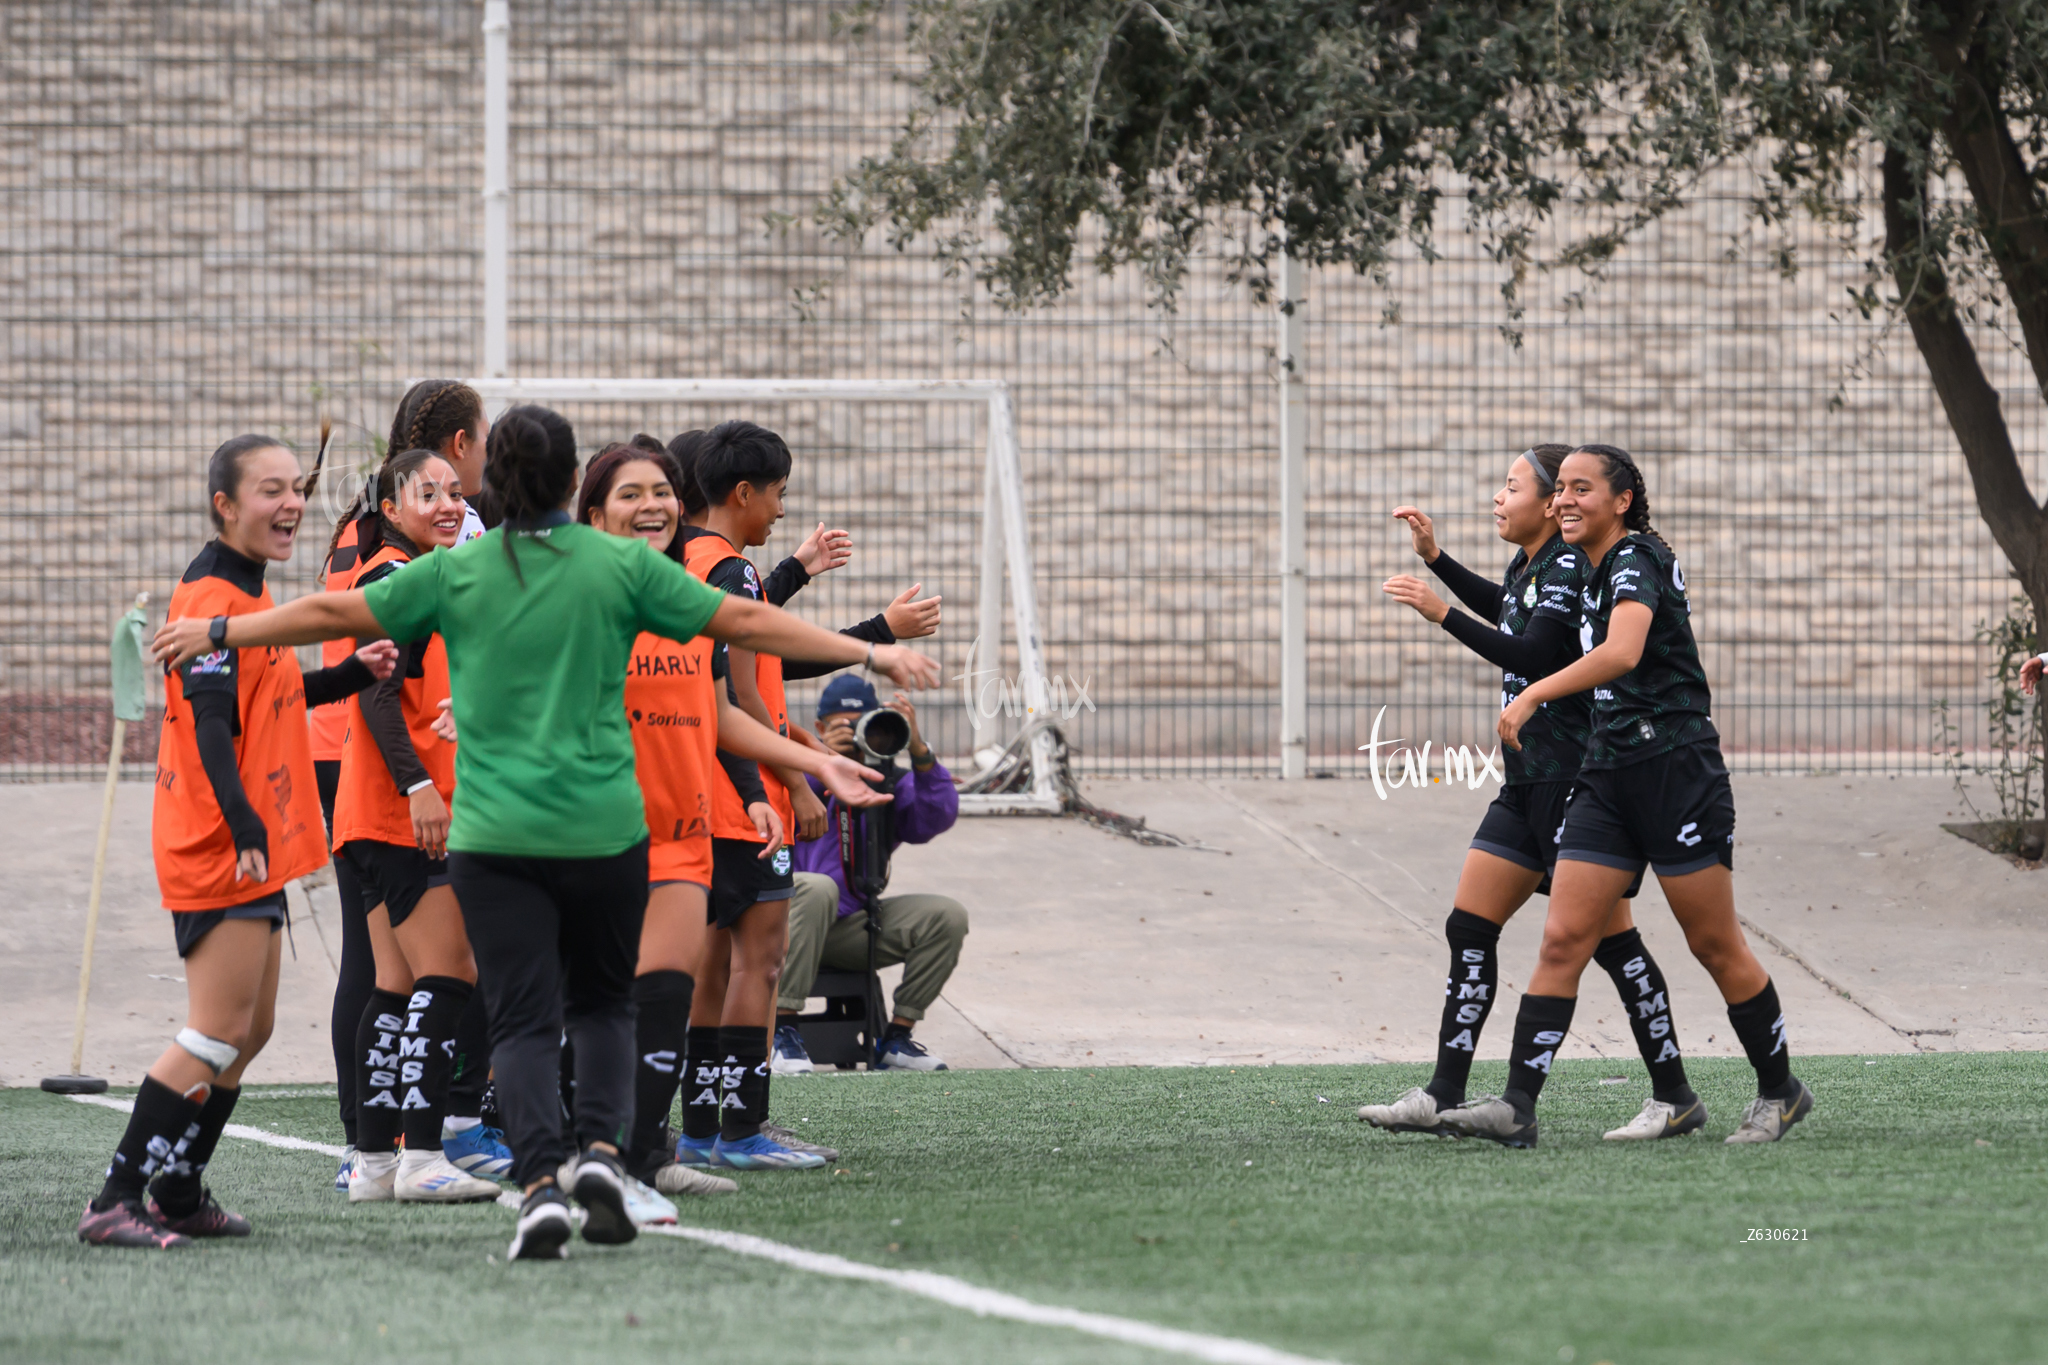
(481,1151)
(700,1153)
(763,1153)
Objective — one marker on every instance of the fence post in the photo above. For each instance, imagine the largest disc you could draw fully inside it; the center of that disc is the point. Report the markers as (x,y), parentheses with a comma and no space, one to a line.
(497,192)
(1293,378)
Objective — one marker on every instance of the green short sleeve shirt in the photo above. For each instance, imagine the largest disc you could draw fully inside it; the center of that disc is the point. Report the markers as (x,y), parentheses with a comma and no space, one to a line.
(544,755)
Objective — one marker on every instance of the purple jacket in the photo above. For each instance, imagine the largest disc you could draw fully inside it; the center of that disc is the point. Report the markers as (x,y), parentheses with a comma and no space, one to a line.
(926,806)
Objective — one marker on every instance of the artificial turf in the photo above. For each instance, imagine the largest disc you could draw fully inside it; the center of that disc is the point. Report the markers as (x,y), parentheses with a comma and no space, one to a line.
(1247,1203)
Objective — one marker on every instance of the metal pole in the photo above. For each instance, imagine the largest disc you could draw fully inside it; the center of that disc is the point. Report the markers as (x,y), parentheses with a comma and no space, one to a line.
(1023,592)
(497,193)
(1293,523)
(987,652)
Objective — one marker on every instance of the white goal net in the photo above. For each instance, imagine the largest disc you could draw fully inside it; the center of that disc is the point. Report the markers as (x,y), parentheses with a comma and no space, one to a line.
(924,474)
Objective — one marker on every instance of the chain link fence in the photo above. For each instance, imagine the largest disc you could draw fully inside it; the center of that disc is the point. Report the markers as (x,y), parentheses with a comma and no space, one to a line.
(244,216)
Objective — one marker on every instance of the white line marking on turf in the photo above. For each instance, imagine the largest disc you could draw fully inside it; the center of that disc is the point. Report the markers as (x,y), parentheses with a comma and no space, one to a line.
(237,1130)
(990,1303)
(983,1303)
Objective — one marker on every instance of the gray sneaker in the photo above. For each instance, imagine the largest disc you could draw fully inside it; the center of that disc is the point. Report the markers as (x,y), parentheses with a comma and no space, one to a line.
(796,1144)
(1766,1119)
(1491,1117)
(1414,1112)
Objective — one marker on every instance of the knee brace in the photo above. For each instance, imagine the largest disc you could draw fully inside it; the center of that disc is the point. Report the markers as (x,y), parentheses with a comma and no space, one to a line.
(212,1051)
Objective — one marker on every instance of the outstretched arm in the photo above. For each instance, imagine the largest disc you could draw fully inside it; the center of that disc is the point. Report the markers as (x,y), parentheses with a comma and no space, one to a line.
(304,621)
(763,629)
(739,733)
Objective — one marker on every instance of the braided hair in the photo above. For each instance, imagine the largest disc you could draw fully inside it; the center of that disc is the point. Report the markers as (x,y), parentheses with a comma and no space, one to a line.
(531,456)
(1623,476)
(432,412)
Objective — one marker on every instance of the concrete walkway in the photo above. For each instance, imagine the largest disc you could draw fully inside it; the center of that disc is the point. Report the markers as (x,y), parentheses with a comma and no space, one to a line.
(1312,934)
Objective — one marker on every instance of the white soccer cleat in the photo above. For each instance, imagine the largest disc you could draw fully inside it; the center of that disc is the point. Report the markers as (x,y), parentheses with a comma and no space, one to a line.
(372,1177)
(676,1178)
(1414,1112)
(1660,1119)
(1766,1119)
(436,1180)
(646,1207)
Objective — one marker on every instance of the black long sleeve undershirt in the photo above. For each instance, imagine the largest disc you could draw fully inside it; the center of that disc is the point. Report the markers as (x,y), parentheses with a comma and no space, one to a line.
(213,730)
(384,718)
(344,680)
(1480,595)
(875,631)
(786,580)
(1545,646)
(745,776)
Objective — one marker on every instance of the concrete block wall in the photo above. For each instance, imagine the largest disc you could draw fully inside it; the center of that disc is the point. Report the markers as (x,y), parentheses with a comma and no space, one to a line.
(230,217)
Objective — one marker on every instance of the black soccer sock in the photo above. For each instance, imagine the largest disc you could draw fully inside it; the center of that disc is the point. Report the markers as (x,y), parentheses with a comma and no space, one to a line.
(378,1117)
(662,1034)
(1468,999)
(1540,1026)
(1647,1003)
(1760,1024)
(155,1126)
(471,1073)
(702,1082)
(743,1104)
(179,1187)
(428,1061)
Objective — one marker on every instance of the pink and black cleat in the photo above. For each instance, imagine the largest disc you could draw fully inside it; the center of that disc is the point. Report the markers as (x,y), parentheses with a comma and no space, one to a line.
(127,1224)
(208,1220)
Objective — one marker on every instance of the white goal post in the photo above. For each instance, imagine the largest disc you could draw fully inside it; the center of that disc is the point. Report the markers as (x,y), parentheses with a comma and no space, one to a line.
(1004,542)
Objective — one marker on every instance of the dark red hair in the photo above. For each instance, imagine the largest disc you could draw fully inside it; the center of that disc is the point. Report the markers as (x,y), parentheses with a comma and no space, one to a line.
(603,471)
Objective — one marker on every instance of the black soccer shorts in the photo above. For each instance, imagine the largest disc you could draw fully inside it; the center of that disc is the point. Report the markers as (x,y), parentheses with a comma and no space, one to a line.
(1522,825)
(1675,812)
(394,876)
(740,877)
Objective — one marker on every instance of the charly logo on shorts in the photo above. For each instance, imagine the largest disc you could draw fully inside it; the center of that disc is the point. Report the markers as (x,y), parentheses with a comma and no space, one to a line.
(781,860)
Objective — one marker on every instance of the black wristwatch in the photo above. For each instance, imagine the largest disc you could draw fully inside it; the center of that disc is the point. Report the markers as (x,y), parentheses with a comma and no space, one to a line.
(218,632)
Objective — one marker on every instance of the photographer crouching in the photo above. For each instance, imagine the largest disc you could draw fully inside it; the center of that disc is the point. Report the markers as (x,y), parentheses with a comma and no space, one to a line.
(828,922)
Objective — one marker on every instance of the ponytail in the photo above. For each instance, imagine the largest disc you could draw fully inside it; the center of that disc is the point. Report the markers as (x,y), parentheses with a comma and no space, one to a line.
(530,461)
(1623,476)
(685,448)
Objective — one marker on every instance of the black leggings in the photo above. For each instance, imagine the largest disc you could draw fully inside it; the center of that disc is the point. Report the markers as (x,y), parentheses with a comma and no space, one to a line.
(356,977)
(557,941)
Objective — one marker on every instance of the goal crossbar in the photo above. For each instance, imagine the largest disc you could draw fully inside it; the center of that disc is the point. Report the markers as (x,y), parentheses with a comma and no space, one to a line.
(1004,543)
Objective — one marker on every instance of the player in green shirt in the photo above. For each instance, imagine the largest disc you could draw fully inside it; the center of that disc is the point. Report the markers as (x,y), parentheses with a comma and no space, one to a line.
(548,848)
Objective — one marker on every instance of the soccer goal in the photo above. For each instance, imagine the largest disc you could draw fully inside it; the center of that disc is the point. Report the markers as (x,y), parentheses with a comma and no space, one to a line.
(998,713)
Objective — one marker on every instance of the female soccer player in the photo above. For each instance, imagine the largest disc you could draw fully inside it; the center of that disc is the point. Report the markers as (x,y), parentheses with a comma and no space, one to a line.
(391,826)
(235,818)
(548,845)
(447,417)
(1652,789)
(1536,612)
(682,719)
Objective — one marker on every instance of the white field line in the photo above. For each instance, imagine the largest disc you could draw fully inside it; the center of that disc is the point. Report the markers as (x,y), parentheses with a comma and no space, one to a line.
(236,1130)
(925,1284)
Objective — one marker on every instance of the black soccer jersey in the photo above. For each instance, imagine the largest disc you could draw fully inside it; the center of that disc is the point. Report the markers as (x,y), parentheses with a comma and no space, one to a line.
(1554,740)
(1662,703)
(1536,614)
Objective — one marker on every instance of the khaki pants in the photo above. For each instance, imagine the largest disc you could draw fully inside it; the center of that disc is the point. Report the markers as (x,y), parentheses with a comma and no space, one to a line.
(923,933)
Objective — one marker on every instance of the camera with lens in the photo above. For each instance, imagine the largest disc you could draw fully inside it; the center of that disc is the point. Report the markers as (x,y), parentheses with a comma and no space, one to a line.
(866,835)
(881,734)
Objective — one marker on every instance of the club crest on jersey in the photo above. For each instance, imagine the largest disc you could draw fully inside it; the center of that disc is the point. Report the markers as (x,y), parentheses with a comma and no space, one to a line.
(1529,594)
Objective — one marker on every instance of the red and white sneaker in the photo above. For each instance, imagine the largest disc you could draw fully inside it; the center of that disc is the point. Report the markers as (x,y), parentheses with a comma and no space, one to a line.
(127,1224)
(208,1220)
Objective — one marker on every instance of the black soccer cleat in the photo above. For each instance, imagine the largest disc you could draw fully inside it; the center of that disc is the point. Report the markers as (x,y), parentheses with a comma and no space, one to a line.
(601,1189)
(544,1227)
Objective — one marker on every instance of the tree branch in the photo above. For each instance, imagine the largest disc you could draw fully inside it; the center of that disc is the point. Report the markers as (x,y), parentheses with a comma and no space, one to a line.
(1967,395)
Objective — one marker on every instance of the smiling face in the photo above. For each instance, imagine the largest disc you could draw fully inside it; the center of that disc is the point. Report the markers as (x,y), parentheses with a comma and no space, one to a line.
(763,508)
(641,502)
(261,518)
(1521,509)
(1588,509)
(429,507)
